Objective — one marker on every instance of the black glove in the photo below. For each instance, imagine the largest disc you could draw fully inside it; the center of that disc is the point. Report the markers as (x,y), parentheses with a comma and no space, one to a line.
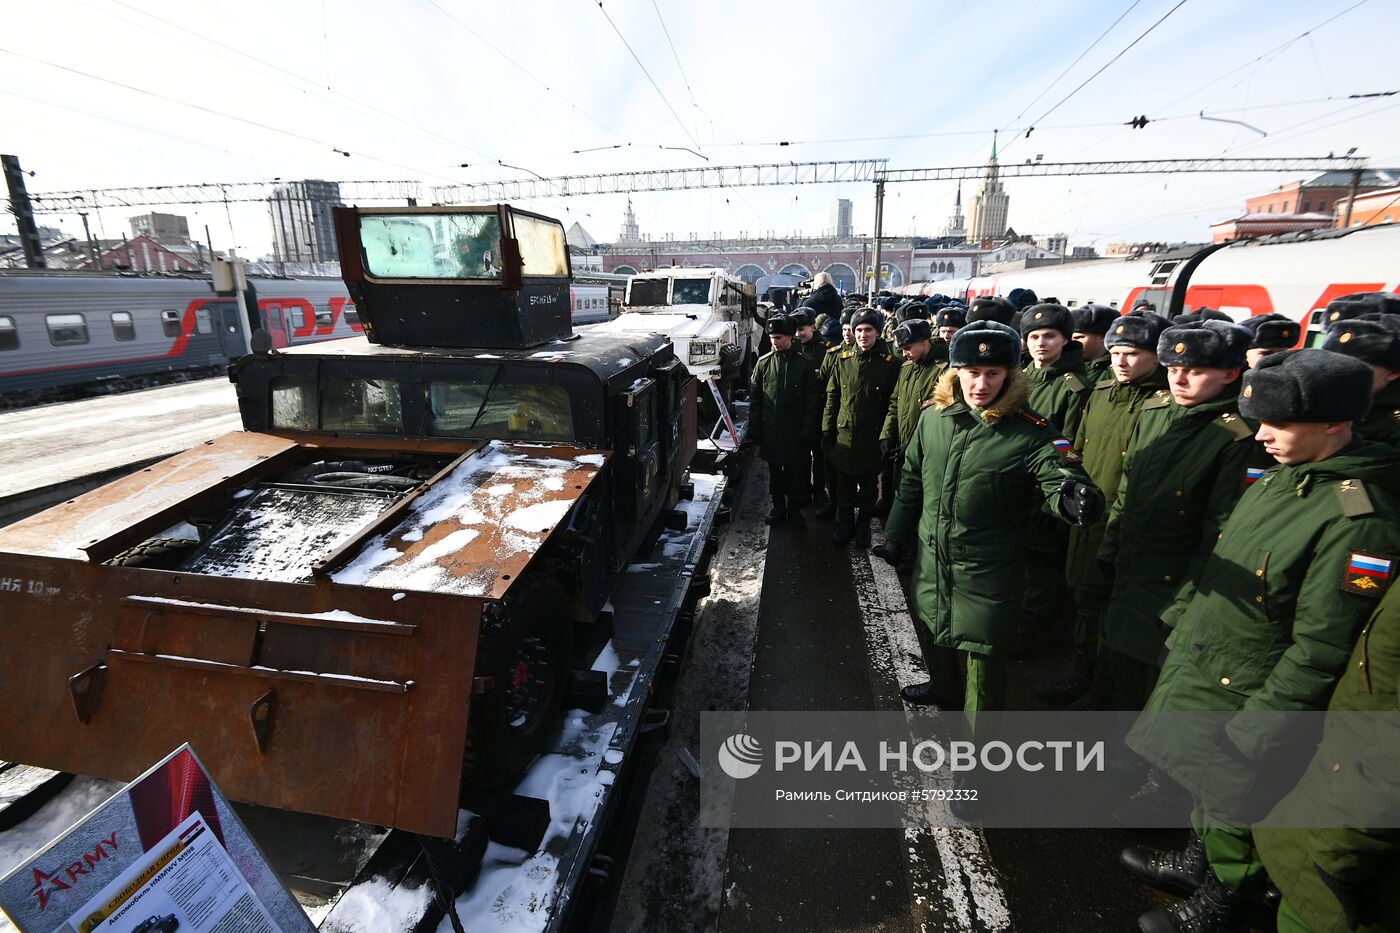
(828,440)
(1078,502)
(888,447)
(889,551)
(1347,894)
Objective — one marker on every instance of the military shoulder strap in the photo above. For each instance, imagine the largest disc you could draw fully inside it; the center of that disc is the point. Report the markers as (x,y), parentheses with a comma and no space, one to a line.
(833,349)
(1236,425)
(1353,498)
(1162,399)
(1033,418)
(1074,382)
(1105,383)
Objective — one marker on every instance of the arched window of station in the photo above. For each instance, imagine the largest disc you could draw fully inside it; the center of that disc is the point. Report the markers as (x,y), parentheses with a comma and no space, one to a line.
(624,270)
(749,272)
(842,276)
(794,268)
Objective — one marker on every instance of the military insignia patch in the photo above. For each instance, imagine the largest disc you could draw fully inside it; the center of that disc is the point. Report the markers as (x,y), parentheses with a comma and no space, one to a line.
(982,348)
(1062,445)
(1252,474)
(1179,348)
(1367,574)
(1248,392)
(1345,338)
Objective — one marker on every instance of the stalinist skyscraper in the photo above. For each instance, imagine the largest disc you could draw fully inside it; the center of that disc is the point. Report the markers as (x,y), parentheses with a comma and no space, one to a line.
(987,220)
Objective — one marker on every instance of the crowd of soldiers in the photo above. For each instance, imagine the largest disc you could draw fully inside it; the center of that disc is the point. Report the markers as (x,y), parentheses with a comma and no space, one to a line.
(1209,515)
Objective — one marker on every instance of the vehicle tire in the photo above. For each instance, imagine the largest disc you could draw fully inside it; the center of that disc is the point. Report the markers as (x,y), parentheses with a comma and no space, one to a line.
(526,650)
(156,554)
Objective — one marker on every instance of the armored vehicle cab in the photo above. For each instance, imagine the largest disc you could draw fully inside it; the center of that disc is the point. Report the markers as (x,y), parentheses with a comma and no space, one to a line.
(378,588)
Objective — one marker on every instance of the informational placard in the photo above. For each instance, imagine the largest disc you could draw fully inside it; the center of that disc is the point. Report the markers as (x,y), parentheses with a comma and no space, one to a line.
(166,853)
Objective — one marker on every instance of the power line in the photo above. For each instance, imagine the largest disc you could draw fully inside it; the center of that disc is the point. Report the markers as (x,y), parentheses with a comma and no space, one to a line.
(657,87)
(1068,69)
(674,54)
(1104,67)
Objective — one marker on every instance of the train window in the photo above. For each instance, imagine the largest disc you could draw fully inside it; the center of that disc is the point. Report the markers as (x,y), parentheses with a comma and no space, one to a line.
(294,403)
(123,328)
(170,323)
(66,330)
(523,411)
(370,406)
(9,337)
(203,321)
(324,318)
(352,316)
(298,318)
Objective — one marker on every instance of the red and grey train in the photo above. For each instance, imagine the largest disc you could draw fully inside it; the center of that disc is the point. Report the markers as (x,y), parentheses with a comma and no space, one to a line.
(1295,275)
(61,331)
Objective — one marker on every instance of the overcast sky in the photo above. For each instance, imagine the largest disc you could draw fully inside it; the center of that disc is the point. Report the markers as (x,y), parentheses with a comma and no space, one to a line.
(105,93)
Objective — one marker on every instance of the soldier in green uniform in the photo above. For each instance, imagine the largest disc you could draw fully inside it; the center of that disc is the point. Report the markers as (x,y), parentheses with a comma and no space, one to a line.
(813,349)
(1058,388)
(947,321)
(1109,417)
(1298,568)
(1189,460)
(1270,334)
(857,398)
(1335,854)
(1091,324)
(848,340)
(978,461)
(785,404)
(925,359)
(1374,339)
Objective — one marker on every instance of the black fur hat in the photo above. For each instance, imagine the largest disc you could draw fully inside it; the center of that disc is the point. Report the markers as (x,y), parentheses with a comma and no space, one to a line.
(847,315)
(1144,305)
(1047,316)
(1205,344)
(1141,329)
(985,343)
(1272,332)
(950,316)
(1372,338)
(1022,297)
(991,309)
(1201,314)
(802,317)
(868,316)
(1306,385)
(912,311)
(912,331)
(1353,306)
(1094,319)
(781,324)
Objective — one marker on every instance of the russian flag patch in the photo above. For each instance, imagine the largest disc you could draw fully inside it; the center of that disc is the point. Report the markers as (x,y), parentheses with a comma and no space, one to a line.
(1251,474)
(1062,445)
(1367,574)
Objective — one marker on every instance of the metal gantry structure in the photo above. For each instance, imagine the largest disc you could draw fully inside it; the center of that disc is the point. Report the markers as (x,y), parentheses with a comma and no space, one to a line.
(53,202)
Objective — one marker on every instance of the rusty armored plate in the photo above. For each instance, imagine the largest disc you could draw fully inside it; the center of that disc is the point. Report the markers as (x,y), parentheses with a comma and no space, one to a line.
(478,526)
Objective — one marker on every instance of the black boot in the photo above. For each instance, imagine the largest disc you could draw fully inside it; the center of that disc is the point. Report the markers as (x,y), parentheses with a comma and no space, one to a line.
(905,567)
(925,694)
(862,529)
(1100,695)
(845,526)
(827,511)
(1180,871)
(1071,687)
(777,514)
(1214,908)
(794,514)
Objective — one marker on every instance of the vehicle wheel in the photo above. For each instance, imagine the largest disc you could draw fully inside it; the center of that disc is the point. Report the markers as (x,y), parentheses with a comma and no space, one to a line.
(157,554)
(526,650)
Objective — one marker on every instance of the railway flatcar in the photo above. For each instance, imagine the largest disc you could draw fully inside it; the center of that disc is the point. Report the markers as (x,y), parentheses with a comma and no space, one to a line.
(1295,275)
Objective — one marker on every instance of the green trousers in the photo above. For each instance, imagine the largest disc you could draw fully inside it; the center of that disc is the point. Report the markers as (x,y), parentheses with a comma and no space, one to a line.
(1133,679)
(1090,601)
(1232,856)
(1046,590)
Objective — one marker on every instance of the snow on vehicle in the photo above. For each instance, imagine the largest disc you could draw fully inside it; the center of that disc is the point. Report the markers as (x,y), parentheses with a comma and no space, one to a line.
(382,585)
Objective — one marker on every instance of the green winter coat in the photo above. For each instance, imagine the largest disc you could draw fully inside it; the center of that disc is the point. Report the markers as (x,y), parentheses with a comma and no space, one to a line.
(829,360)
(785,402)
(858,391)
(813,351)
(967,488)
(1337,778)
(1184,471)
(1275,614)
(1099,369)
(1382,425)
(1058,392)
(1102,443)
(914,388)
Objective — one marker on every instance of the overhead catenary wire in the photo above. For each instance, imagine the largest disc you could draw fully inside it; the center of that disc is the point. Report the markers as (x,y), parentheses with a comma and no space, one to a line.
(664,99)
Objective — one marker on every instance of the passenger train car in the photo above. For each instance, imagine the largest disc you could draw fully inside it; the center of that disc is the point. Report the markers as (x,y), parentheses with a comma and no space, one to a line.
(62,331)
(1295,275)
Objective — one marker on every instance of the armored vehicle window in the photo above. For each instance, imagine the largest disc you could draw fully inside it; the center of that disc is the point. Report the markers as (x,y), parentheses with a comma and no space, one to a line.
(66,330)
(9,337)
(294,403)
(691,292)
(123,328)
(431,246)
(170,322)
(541,246)
(370,406)
(203,322)
(647,292)
(519,411)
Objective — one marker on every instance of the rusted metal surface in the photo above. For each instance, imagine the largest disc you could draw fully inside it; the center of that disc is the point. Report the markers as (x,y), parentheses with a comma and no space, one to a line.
(480,525)
(338,700)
